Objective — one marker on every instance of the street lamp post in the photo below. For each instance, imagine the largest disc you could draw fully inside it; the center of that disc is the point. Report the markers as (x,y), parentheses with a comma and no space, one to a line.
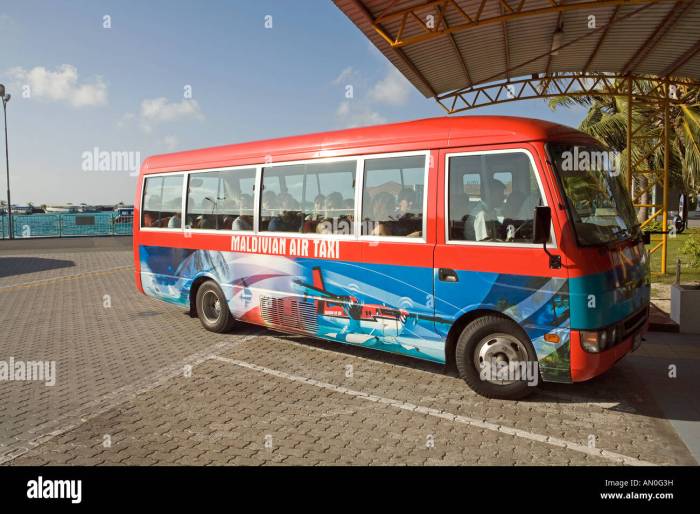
(6,98)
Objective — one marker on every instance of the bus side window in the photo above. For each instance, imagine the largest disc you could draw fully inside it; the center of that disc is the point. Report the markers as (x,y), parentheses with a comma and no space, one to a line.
(392,200)
(313,198)
(221,200)
(162,202)
(495,199)
(242,219)
(333,208)
(281,210)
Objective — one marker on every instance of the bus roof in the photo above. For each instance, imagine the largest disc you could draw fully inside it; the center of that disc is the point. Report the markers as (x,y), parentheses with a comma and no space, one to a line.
(424,134)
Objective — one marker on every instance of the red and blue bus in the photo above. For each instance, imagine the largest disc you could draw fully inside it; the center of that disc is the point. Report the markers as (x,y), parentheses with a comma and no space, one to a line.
(502,246)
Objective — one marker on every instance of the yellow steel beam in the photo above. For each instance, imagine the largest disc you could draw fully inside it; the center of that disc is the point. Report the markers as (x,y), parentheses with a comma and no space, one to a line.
(650,219)
(660,245)
(667,162)
(438,9)
(559,84)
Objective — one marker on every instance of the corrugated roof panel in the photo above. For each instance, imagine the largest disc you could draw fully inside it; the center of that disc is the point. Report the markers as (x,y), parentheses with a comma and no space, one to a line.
(484,52)
(442,76)
(582,36)
(529,40)
(682,35)
(626,38)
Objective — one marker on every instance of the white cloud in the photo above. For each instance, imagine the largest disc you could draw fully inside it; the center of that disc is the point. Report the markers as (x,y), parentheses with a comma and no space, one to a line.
(345,76)
(170,142)
(393,89)
(357,114)
(61,85)
(125,119)
(160,110)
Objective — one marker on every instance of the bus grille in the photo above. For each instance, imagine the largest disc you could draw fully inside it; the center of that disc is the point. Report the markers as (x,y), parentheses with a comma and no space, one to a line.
(634,322)
(289,313)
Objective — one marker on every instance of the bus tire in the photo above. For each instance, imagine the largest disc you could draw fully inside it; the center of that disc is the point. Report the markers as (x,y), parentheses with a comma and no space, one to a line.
(212,309)
(496,340)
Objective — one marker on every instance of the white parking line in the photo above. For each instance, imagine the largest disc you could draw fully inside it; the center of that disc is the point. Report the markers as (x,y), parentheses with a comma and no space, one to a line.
(571,398)
(523,434)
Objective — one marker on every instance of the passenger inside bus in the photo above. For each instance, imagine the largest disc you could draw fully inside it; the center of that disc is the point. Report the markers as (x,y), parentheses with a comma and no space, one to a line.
(151,211)
(408,216)
(486,224)
(175,221)
(392,218)
(244,221)
(312,219)
(383,210)
(333,210)
(288,216)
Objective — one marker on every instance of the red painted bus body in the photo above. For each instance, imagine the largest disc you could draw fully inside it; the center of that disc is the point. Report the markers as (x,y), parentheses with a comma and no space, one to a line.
(413,294)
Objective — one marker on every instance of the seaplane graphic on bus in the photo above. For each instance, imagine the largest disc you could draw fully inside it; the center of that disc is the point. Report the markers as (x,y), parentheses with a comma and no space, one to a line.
(358,322)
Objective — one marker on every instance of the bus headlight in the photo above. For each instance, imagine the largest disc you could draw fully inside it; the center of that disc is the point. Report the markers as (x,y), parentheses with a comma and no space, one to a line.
(595,341)
(591,340)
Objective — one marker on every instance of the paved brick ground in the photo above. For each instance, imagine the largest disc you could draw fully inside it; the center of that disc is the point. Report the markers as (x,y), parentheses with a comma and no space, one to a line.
(140,382)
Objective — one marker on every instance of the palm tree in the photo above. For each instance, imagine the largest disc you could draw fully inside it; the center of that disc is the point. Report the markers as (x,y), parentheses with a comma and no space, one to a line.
(606,120)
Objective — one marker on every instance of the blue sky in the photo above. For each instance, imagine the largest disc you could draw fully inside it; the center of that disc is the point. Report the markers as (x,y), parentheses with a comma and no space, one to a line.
(122,89)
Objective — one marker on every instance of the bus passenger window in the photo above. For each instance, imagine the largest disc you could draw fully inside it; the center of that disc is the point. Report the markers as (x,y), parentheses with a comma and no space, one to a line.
(162,202)
(313,198)
(492,197)
(221,200)
(282,211)
(392,200)
(335,213)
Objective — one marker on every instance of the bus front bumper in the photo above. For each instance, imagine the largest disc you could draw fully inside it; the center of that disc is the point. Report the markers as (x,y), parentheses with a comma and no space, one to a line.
(586,365)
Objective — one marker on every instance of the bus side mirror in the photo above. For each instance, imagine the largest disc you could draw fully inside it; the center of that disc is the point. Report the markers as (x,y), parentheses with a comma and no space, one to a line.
(542,222)
(540,233)
(646,238)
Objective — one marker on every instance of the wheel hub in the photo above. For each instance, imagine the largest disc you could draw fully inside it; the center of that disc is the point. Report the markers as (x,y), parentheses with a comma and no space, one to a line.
(496,357)
(211,306)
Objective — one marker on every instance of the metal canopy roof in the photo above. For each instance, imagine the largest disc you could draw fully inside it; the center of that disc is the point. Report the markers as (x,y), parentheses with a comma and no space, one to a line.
(449,45)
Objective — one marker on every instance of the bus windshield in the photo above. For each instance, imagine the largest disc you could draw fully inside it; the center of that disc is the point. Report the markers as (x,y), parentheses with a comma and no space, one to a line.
(599,204)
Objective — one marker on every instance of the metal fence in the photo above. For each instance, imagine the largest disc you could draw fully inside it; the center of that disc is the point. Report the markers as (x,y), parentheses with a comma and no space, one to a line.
(66,225)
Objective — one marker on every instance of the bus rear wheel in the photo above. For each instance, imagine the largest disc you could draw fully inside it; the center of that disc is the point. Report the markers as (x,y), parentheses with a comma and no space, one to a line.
(212,309)
(495,358)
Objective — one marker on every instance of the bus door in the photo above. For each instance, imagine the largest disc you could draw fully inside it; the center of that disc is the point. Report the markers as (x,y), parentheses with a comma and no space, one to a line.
(484,257)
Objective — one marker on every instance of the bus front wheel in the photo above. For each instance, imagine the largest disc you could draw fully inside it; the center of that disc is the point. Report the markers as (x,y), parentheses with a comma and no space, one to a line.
(495,358)
(212,309)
